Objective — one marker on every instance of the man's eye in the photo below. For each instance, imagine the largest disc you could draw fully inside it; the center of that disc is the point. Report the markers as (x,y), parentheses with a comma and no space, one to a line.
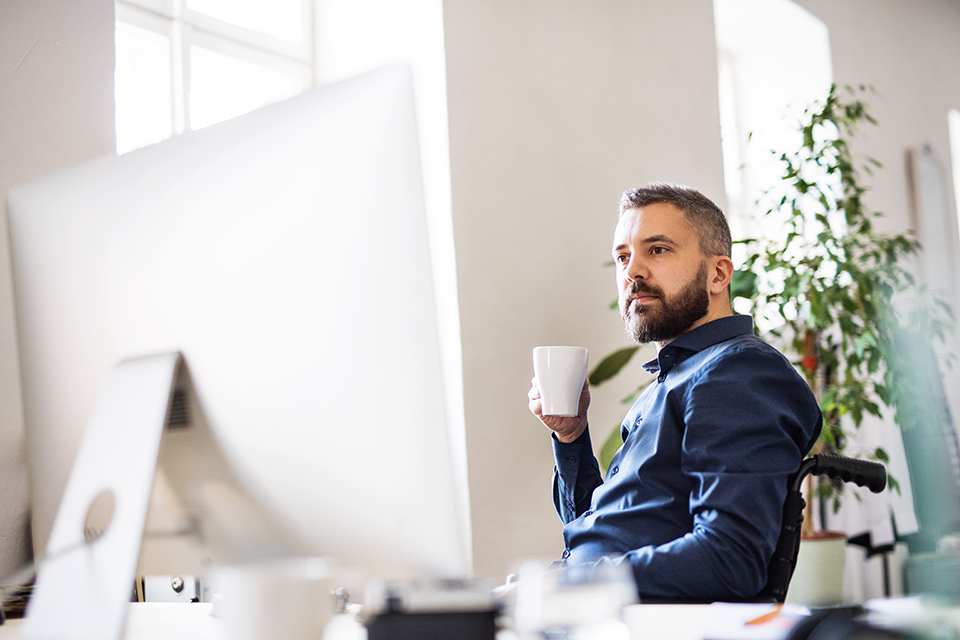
(621,259)
(658,250)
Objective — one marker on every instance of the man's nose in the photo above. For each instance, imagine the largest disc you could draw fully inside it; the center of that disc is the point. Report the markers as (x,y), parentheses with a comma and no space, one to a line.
(636,269)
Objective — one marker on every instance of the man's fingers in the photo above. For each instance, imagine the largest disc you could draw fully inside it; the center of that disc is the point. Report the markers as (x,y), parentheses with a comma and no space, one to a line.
(536,407)
(534,392)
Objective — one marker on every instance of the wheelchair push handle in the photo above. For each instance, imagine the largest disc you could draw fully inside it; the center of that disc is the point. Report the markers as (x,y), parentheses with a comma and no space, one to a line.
(863,473)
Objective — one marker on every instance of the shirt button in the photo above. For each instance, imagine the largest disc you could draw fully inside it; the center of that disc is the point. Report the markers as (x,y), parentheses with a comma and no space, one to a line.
(566,554)
(614,471)
(572,460)
(588,513)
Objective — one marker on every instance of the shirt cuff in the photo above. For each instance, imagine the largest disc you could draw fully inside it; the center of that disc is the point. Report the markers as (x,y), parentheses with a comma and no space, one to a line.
(568,454)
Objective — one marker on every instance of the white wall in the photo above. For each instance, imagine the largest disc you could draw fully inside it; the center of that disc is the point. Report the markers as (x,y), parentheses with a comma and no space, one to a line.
(56,109)
(555,108)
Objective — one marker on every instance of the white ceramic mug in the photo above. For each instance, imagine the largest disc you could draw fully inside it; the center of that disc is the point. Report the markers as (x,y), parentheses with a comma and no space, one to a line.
(560,373)
(286,598)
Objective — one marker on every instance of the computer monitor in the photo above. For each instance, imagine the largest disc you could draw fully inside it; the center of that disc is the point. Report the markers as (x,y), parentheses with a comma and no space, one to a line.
(285,254)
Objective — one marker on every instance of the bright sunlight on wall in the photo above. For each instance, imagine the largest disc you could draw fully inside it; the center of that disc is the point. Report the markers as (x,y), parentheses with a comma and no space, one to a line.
(954,121)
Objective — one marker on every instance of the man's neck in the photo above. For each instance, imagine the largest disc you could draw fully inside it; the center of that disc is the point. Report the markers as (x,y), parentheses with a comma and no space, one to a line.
(710,316)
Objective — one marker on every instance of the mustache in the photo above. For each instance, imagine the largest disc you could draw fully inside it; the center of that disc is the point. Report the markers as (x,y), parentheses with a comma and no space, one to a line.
(640,286)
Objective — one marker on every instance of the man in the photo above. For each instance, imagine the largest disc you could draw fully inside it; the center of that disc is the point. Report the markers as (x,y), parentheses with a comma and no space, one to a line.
(694,498)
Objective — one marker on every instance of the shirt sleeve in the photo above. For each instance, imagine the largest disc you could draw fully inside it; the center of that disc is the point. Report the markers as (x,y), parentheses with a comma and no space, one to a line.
(575,476)
(748,424)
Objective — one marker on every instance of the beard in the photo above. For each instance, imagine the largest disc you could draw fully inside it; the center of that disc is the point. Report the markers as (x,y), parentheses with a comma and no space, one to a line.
(647,323)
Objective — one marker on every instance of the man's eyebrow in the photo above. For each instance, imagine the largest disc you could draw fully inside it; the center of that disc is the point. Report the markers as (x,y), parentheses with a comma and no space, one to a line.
(658,238)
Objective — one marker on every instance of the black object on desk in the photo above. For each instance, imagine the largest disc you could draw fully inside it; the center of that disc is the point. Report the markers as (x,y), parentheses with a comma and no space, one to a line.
(462,625)
(438,610)
(846,623)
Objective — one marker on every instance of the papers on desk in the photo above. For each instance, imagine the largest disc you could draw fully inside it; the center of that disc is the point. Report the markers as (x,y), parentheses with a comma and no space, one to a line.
(730,621)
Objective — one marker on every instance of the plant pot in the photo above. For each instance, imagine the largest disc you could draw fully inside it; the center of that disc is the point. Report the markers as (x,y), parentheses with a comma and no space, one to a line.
(818,577)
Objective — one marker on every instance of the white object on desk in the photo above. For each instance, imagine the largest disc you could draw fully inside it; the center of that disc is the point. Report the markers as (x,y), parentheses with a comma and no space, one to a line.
(666,621)
(289,598)
(580,599)
(170,621)
(746,621)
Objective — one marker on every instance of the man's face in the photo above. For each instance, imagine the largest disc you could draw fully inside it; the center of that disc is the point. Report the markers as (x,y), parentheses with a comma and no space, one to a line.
(661,274)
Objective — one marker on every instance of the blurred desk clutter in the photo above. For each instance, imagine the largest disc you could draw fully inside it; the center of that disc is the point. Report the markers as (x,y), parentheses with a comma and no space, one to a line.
(909,618)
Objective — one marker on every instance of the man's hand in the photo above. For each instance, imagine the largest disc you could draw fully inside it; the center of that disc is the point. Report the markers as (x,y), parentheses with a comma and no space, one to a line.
(567,429)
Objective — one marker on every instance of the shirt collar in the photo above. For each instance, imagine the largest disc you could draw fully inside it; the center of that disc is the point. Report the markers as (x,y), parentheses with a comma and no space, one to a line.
(704,336)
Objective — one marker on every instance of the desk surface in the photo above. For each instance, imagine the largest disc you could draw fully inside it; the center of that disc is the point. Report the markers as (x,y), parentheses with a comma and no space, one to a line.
(155,621)
(172,621)
(175,621)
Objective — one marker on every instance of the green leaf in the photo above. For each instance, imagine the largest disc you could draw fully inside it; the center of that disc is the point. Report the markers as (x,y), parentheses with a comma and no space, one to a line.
(611,365)
(610,447)
(744,284)
(893,484)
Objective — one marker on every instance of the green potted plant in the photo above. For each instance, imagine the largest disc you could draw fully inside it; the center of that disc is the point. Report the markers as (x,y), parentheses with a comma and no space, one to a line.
(828,282)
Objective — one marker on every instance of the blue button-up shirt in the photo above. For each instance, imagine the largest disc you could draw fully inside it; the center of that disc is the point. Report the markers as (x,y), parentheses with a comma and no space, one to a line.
(693,499)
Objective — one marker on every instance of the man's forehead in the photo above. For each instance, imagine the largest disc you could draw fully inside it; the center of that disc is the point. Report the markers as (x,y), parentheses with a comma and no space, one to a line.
(650,222)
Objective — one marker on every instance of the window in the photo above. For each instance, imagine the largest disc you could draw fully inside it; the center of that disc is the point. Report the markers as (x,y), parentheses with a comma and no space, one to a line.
(187,64)
(773,61)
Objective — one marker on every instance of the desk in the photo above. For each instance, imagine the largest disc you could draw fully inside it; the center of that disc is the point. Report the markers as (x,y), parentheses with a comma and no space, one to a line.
(156,621)
(174,621)
(666,621)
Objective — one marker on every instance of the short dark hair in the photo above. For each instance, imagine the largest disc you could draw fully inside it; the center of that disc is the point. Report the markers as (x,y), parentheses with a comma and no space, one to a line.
(705,216)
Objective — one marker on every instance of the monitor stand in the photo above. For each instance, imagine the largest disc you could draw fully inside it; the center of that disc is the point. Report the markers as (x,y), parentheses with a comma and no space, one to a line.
(148,423)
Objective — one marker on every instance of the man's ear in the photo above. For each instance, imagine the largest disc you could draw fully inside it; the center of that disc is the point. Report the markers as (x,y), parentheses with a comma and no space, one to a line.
(720,275)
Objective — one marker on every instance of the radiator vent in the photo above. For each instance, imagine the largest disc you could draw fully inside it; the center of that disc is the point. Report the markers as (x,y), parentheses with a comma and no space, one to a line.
(178,413)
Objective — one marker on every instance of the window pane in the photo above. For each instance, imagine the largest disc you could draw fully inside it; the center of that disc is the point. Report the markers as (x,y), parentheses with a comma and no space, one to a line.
(281,19)
(223,87)
(142,88)
(773,61)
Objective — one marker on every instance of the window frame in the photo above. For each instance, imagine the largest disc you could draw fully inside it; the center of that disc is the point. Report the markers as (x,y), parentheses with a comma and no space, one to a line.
(187,28)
